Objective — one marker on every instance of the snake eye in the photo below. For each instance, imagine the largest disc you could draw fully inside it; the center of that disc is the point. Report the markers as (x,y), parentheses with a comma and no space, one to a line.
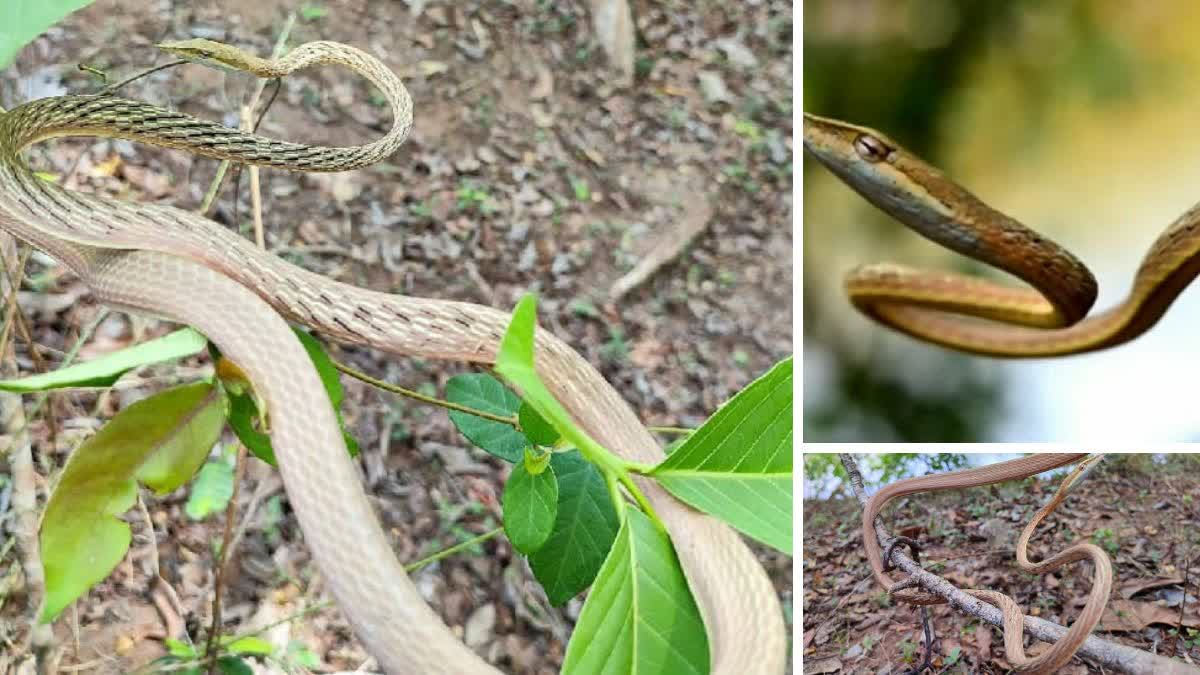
(204,54)
(871,148)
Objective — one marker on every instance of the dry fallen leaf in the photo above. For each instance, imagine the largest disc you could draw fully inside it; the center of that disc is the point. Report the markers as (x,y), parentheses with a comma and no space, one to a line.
(1132,615)
(108,167)
(431,68)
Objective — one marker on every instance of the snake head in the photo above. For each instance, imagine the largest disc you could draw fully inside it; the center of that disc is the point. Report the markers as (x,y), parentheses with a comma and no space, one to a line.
(209,53)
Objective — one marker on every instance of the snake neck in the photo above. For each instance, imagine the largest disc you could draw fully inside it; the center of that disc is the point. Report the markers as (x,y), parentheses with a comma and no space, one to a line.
(116,117)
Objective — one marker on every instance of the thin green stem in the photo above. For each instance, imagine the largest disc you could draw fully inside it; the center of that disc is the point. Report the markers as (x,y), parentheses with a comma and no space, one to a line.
(412,567)
(614,493)
(638,468)
(300,614)
(432,400)
(671,430)
(640,498)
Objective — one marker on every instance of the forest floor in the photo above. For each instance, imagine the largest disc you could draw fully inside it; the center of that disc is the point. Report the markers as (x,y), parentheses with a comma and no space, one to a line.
(526,170)
(850,626)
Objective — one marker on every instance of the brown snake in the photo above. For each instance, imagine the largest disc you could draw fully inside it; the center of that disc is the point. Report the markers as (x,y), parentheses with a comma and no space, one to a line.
(975,315)
(1062,650)
(168,262)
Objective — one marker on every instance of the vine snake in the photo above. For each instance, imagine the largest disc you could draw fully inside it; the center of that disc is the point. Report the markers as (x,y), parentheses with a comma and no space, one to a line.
(975,315)
(159,260)
(1062,650)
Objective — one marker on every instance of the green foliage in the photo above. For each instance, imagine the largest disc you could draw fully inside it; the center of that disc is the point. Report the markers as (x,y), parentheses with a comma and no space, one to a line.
(882,468)
(819,465)
(98,484)
(583,532)
(639,616)
(908,650)
(179,653)
(1106,539)
(484,392)
(472,197)
(536,429)
(23,20)
(211,491)
(311,11)
(243,414)
(244,410)
(515,364)
(104,371)
(583,193)
(738,465)
(530,504)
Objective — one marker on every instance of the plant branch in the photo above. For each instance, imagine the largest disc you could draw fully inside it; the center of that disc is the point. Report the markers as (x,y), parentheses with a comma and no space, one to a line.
(417,396)
(412,567)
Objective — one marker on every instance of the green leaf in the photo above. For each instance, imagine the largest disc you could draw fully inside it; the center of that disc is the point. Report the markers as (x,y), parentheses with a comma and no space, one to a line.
(639,616)
(311,11)
(232,665)
(325,368)
(536,429)
(103,371)
(242,415)
(530,507)
(249,645)
(299,653)
(82,539)
(514,363)
(582,192)
(332,380)
(179,456)
(179,649)
(484,392)
(211,491)
(738,465)
(243,411)
(583,530)
(23,20)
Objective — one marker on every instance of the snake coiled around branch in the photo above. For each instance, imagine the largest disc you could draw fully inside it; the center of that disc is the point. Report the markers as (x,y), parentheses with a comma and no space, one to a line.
(171,263)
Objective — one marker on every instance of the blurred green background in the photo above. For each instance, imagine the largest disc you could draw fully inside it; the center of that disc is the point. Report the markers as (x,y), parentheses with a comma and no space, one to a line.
(1077,118)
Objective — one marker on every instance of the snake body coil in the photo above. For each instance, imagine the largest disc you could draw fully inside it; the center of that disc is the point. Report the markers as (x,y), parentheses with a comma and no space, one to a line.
(169,262)
(974,315)
(1062,650)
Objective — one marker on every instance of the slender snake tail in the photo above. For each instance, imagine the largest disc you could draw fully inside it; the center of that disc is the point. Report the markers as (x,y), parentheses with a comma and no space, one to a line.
(1062,650)
(974,315)
(169,262)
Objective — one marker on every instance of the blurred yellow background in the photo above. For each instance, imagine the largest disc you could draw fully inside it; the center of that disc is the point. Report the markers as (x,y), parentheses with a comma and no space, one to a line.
(1082,120)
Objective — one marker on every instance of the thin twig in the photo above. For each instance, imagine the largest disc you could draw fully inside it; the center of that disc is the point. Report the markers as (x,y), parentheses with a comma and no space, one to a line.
(223,168)
(671,430)
(412,567)
(149,71)
(927,659)
(432,400)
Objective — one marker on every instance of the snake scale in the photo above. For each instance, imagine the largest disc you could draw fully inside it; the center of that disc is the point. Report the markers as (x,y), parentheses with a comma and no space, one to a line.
(167,262)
